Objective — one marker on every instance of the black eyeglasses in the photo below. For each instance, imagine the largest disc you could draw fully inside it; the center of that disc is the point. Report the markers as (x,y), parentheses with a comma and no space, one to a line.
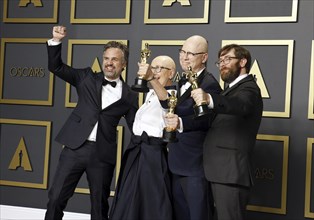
(157,69)
(225,61)
(189,54)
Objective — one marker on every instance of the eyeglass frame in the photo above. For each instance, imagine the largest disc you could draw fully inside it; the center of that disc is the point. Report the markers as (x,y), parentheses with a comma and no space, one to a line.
(157,69)
(189,54)
(228,59)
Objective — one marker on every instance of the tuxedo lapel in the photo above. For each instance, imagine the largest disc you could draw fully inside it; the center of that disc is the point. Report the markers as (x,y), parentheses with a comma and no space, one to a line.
(228,89)
(185,95)
(125,91)
(201,77)
(99,89)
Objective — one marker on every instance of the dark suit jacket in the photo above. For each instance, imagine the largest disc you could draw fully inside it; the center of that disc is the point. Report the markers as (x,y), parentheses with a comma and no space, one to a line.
(88,110)
(186,156)
(230,140)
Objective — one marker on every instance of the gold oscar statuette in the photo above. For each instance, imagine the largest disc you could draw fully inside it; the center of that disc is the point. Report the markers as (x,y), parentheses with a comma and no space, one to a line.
(202,108)
(140,84)
(169,134)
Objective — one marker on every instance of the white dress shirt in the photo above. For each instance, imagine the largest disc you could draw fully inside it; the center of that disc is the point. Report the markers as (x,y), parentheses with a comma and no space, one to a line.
(150,117)
(109,95)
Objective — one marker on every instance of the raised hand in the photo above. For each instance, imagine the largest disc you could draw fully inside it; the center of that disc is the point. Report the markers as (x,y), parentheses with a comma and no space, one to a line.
(58,33)
(144,71)
(200,96)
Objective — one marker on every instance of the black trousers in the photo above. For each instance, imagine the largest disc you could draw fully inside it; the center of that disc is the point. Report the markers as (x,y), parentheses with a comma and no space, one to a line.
(72,164)
(230,201)
(192,198)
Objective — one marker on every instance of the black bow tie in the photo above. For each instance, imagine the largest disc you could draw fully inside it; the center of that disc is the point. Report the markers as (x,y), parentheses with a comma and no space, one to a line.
(183,80)
(112,83)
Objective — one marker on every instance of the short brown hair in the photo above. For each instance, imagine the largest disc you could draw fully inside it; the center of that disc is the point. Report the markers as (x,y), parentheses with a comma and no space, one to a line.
(239,52)
(119,45)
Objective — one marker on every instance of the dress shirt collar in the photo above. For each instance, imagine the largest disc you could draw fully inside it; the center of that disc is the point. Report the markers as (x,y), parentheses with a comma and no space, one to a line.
(199,72)
(238,79)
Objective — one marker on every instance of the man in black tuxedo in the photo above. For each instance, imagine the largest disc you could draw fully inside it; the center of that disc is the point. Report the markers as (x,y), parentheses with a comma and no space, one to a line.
(89,134)
(191,191)
(230,141)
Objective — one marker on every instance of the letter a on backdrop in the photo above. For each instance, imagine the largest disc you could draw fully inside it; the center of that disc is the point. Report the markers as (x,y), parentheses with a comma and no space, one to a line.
(21,158)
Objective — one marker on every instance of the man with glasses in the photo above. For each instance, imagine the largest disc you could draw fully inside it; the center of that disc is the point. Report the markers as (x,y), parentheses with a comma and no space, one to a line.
(229,142)
(191,192)
(144,189)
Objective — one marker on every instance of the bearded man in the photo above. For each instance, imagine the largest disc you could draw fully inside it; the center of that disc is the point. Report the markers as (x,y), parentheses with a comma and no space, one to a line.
(229,143)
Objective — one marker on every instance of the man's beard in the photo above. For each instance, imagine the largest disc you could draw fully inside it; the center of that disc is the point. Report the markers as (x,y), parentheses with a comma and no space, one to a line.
(231,74)
(110,74)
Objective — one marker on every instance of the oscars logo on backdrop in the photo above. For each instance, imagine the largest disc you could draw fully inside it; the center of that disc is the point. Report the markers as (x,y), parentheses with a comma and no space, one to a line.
(27,72)
(21,158)
(176,77)
(36,3)
(168,3)
(265,173)
(96,66)
(260,81)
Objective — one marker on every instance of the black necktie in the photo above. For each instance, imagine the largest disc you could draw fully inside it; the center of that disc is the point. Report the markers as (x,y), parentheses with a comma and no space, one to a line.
(105,82)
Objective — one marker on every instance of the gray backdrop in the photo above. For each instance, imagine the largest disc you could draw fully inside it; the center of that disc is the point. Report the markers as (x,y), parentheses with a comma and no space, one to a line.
(34,104)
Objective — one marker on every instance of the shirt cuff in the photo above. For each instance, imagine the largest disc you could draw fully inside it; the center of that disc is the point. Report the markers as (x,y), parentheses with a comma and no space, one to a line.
(53,43)
(211,102)
(180,129)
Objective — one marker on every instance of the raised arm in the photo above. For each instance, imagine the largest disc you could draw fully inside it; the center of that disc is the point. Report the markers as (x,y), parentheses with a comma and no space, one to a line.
(58,33)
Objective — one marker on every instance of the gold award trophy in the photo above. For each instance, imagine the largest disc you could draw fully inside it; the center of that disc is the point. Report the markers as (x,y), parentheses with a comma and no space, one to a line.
(202,108)
(140,84)
(169,134)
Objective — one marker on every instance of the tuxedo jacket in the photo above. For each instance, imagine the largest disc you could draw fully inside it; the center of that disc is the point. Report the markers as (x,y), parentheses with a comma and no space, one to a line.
(88,110)
(230,140)
(186,155)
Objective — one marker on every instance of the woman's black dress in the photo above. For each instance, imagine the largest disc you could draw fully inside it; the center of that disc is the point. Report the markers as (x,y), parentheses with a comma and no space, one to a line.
(143,191)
